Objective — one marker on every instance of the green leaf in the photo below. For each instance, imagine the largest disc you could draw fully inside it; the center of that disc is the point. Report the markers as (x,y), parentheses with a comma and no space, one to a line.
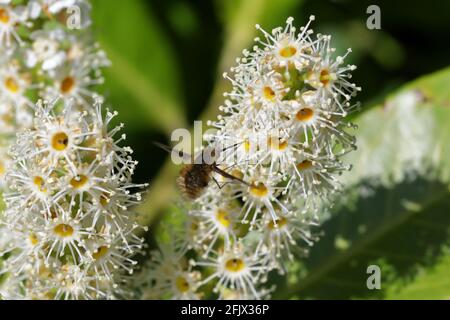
(434,284)
(143,80)
(409,131)
(396,207)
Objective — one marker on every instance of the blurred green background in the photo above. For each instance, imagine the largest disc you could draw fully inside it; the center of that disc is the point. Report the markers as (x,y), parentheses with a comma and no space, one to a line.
(168,57)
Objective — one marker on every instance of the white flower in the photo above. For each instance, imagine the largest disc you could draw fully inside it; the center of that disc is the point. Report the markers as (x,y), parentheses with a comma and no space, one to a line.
(33,184)
(5,162)
(47,49)
(237,269)
(168,275)
(286,47)
(181,285)
(278,237)
(75,82)
(13,85)
(68,203)
(65,233)
(51,7)
(217,223)
(330,78)
(10,18)
(73,283)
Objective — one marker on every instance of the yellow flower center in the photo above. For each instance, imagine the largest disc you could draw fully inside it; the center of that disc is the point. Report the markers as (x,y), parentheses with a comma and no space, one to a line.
(194,226)
(304,114)
(44,272)
(288,52)
(223,217)
(279,223)
(305,165)
(104,200)
(2,168)
(40,183)
(63,230)
(247,145)
(100,253)
(275,143)
(4,16)
(269,94)
(60,141)
(11,84)
(234,265)
(182,284)
(325,77)
(33,239)
(259,190)
(67,85)
(79,181)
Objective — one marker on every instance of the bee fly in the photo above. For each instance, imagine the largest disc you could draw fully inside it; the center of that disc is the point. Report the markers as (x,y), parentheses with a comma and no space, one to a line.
(194,178)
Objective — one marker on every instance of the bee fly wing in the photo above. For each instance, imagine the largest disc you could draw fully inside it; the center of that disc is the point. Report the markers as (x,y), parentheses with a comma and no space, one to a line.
(185,156)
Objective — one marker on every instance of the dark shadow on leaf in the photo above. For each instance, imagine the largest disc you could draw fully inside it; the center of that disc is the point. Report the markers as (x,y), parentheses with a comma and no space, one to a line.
(403,230)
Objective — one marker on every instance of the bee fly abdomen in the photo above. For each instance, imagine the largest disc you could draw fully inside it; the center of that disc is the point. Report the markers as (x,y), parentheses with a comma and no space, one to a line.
(194,179)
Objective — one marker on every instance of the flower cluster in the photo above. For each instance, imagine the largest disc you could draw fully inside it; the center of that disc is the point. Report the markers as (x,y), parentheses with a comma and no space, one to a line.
(67,232)
(41,57)
(279,138)
(70,192)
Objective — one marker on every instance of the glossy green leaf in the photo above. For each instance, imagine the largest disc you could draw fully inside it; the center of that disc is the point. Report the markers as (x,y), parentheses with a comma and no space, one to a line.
(396,211)
(143,81)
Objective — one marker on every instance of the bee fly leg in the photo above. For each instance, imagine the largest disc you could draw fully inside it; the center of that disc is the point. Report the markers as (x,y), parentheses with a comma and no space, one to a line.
(218,184)
(228,168)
